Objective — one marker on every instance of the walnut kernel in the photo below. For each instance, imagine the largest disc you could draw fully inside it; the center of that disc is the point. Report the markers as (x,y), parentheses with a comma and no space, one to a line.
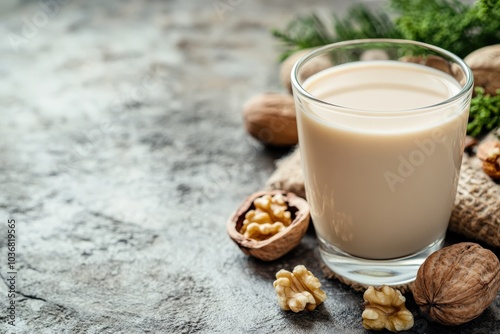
(489,153)
(385,308)
(298,290)
(269,218)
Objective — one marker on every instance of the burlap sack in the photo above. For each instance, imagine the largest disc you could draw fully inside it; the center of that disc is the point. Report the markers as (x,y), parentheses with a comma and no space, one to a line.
(476,213)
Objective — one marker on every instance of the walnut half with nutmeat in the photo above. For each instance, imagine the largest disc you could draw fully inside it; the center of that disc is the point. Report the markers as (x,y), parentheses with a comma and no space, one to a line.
(268,224)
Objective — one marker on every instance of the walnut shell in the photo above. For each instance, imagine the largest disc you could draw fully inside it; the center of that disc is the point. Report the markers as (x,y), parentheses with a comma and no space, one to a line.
(313,66)
(457,283)
(436,62)
(270,118)
(374,54)
(485,64)
(280,243)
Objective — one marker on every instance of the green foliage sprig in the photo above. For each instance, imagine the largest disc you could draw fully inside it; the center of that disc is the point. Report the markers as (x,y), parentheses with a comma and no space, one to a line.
(484,113)
(453,25)
(310,31)
(450,24)
(302,33)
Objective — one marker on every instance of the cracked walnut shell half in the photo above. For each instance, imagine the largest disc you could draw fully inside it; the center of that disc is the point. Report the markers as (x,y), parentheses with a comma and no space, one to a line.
(279,239)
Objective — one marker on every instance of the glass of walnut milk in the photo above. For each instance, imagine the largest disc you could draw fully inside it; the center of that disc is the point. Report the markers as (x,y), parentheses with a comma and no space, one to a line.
(381,134)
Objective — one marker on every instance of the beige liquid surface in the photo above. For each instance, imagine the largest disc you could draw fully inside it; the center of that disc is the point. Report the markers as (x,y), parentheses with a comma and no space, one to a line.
(381,182)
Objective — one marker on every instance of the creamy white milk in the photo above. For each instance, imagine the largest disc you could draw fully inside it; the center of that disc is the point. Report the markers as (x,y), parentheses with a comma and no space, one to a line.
(381,180)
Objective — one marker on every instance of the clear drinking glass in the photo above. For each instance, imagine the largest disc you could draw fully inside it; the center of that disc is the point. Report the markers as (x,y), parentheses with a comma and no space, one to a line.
(381,135)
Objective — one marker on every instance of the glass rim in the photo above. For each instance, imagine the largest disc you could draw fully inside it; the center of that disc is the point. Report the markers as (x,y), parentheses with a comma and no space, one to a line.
(318,51)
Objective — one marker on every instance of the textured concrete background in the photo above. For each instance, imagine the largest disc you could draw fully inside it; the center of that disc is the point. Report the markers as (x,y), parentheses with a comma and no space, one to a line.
(123,154)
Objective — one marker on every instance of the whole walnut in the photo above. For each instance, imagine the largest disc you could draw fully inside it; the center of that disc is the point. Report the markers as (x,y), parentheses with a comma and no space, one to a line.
(457,283)
(485,64)
(313,66)
(436,62)
(270,118)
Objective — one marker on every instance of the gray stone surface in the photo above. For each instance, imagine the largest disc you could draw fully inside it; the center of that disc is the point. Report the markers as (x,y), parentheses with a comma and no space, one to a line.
(123,154)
